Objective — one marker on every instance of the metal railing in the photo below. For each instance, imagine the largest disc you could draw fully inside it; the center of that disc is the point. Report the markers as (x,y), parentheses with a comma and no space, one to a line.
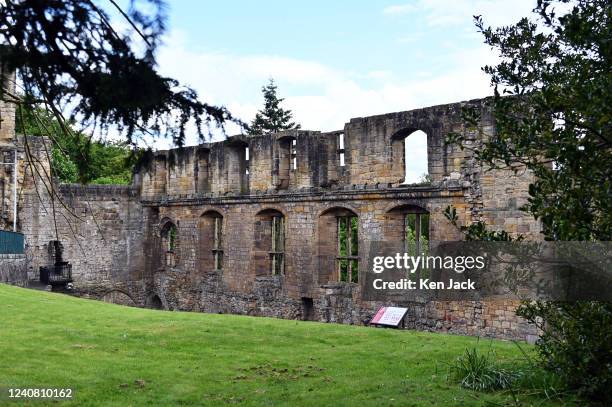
(56,274)
(11,242)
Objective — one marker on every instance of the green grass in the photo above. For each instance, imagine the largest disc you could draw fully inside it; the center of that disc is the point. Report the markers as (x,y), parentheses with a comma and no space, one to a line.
(114,355)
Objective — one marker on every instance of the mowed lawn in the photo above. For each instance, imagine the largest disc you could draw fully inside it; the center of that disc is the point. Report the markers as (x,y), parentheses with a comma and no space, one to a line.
(114,355)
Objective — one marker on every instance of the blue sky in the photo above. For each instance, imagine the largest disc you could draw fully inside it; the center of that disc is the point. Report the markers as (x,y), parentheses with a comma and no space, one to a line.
(333,60)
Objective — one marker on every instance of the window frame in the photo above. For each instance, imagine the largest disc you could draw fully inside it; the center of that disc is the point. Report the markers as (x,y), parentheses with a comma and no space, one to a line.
(349,257)
(341,151)
(419,218)
(217,246)
(170,243)
(277,249)
(293,155)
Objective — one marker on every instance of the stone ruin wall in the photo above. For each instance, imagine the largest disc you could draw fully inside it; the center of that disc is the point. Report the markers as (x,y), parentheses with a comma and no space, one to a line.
(113,234)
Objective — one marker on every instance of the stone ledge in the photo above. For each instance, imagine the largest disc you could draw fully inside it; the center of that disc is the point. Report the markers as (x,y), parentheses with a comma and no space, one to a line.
(425,192)
(98,190)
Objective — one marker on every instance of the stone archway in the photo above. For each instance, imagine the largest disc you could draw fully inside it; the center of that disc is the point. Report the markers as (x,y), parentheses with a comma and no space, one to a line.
(155,302)
(118,297)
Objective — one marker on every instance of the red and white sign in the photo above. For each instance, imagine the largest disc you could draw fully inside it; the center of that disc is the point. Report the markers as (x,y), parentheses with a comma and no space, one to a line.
(390,316)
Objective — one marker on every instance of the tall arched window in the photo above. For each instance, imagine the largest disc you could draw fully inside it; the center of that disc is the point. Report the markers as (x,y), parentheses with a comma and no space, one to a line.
(211,241)
(410,161)
(269,243)
(338,246)
(169,241)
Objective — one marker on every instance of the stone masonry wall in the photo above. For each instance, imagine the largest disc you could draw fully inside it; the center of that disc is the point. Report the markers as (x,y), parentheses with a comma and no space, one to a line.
(7,109)
(123,247)
(13,269)
(99,227)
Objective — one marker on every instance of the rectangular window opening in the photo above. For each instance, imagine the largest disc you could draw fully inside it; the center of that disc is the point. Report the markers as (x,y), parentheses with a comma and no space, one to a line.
(247,161)
(416,239)
(218,244)
(294,155)
(341,149)
(277,254)
(347,258)
(172,239)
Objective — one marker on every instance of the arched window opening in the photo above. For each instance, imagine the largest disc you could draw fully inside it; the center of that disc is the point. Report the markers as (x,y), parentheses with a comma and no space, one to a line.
(269,243)
(211,241)
(410,160)
(169,239)
(415,153)
(339,246)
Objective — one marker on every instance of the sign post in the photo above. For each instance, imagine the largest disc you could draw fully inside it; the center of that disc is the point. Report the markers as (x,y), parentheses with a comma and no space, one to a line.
(389,316)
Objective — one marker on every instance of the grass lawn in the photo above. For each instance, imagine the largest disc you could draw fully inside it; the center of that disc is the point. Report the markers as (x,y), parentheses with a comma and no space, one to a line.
(113,355)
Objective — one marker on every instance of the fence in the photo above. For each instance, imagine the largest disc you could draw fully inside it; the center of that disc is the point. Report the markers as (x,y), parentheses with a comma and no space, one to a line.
(56,274)
(11,242)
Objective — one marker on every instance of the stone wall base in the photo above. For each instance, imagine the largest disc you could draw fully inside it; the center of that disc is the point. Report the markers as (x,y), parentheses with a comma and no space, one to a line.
(14,269)
(336,303)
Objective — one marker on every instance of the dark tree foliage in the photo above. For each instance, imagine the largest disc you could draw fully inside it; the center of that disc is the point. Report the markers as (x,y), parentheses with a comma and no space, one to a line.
(576,344)
(272,118)
(69,56)
(552,109)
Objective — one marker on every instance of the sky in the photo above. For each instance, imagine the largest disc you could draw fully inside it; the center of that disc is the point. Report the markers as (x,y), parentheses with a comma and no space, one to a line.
(332,60)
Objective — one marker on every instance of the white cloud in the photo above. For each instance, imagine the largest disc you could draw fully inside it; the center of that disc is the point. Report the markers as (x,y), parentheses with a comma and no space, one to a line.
(444,12)
(399,9)
(321,97)
(380,74)
(495,12)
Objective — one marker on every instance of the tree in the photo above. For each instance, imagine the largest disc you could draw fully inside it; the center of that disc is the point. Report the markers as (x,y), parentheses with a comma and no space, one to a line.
(77,158)
(68,54)
(272,118)
(552,110)
(71,61)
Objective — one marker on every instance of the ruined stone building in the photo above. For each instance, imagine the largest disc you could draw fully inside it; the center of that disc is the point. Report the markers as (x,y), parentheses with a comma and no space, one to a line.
(252,225)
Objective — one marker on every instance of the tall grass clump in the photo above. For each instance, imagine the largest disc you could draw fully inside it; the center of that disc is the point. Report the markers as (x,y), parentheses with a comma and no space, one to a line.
(478,371)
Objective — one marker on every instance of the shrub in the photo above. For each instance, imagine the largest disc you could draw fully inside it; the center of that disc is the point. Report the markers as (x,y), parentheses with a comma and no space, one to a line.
(576,344)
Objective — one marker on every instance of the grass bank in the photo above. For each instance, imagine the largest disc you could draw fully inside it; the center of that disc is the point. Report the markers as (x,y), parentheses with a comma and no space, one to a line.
(114,355)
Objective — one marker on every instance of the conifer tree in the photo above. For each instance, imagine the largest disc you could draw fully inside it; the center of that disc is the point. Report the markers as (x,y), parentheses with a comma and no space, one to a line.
(272,118)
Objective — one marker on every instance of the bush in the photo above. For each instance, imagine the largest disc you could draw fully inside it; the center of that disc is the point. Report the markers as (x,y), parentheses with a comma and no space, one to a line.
(477,371)
(576,344)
